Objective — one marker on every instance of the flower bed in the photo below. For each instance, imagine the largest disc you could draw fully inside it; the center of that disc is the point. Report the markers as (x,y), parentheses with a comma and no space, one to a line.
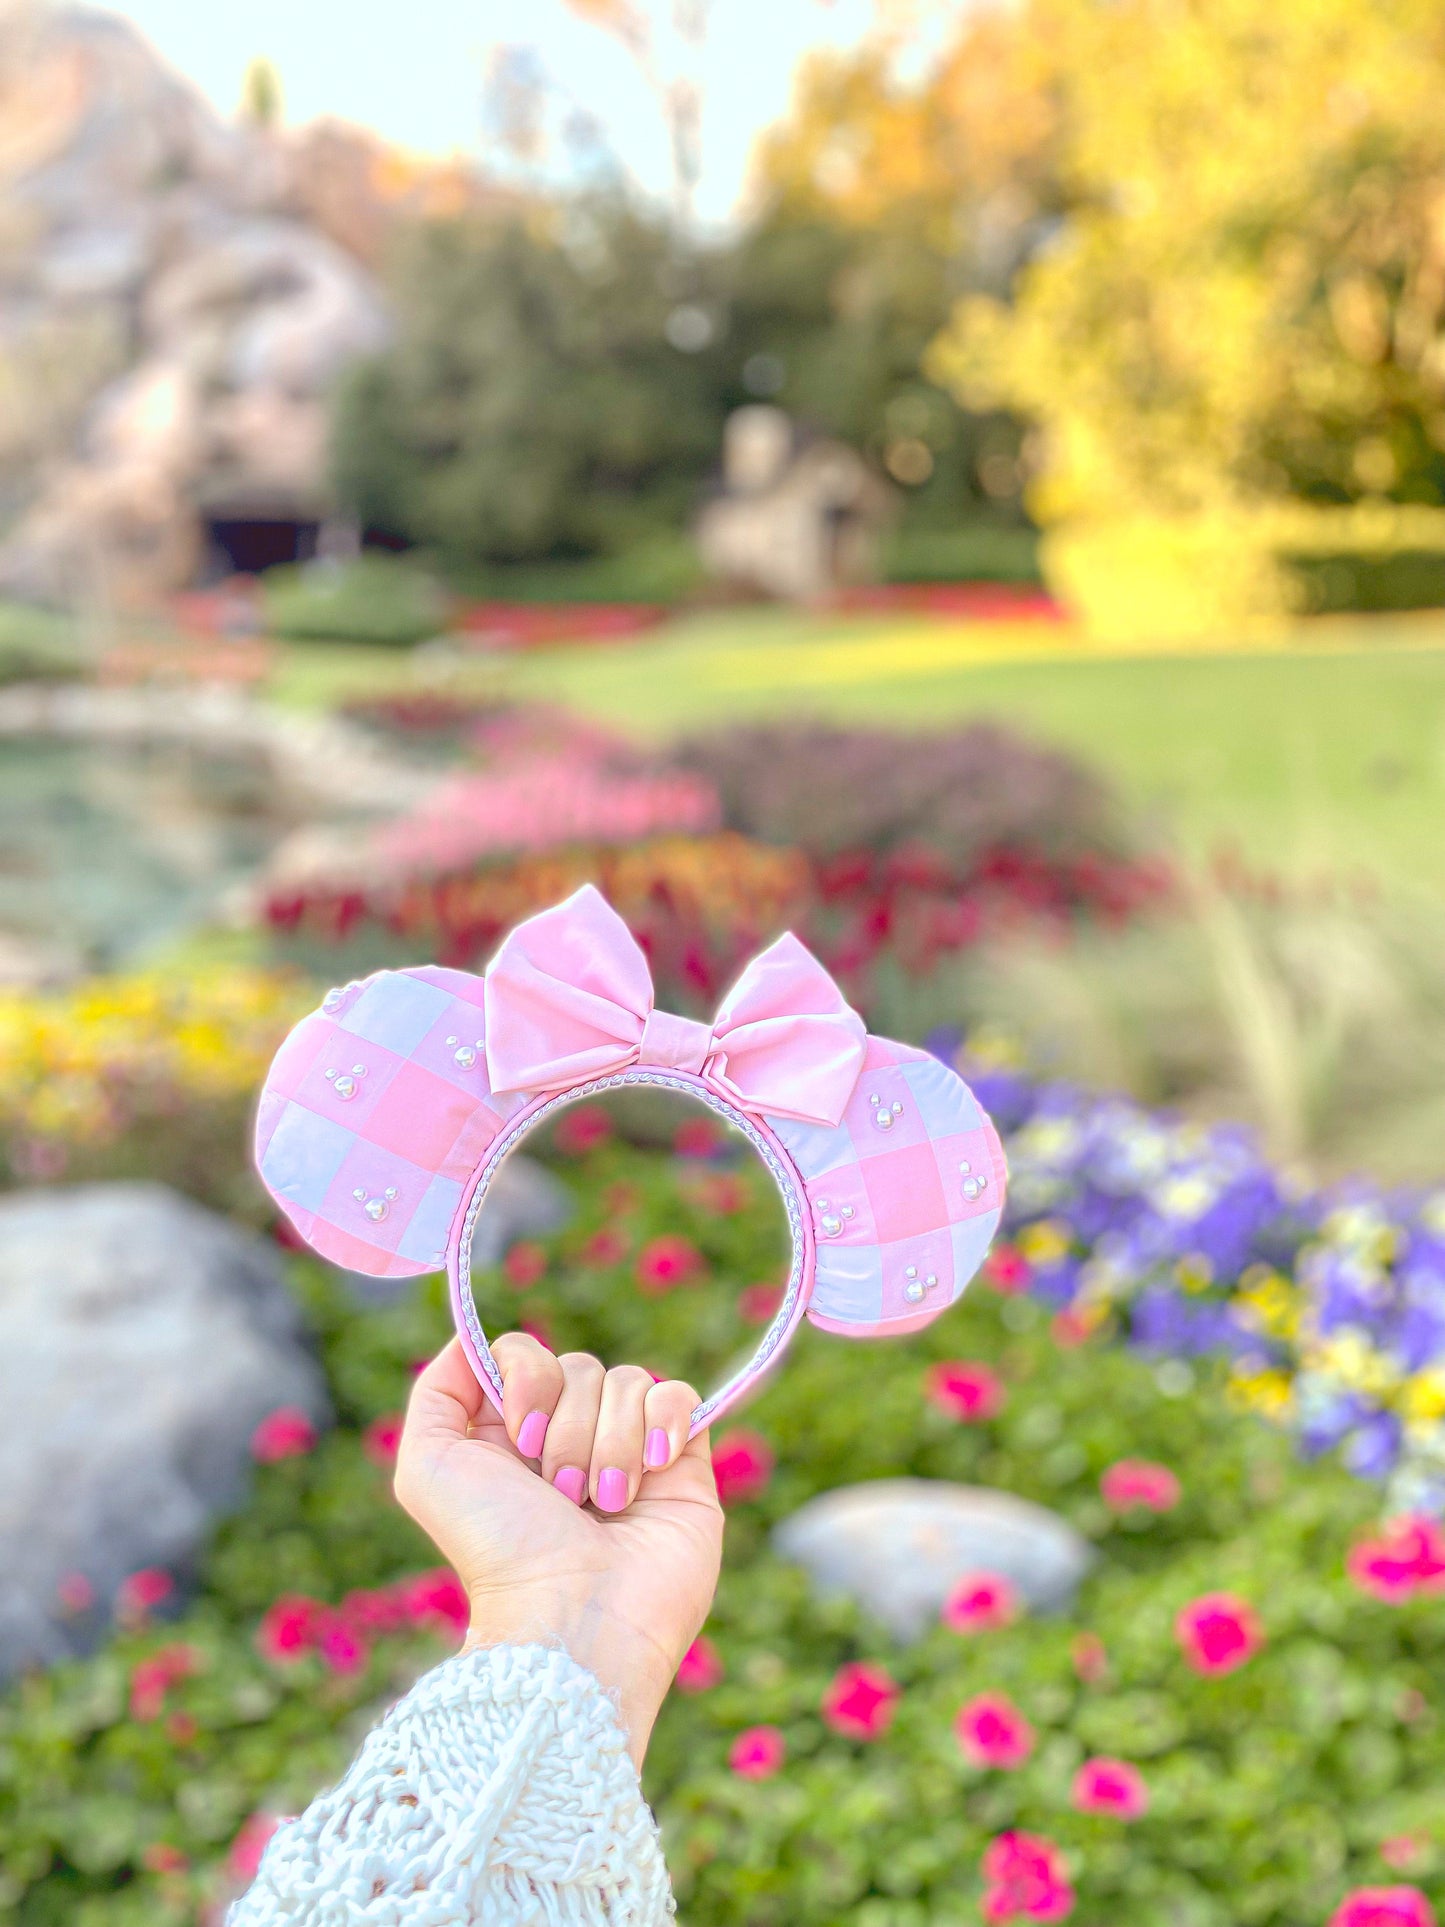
(1240,1722)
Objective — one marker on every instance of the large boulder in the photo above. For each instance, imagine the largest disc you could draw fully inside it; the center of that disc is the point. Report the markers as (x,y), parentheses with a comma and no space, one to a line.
(899,1546)
(142,1339)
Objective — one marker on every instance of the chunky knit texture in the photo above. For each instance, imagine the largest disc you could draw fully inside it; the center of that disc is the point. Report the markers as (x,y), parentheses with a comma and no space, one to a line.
(499,1790)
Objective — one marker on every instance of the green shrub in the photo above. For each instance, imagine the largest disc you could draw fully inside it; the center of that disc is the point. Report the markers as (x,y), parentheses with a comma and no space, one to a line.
(36,645)
(1272,1788)
(377,598)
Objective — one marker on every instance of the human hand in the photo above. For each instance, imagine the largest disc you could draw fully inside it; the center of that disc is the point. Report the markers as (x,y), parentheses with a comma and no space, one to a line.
(624,1587)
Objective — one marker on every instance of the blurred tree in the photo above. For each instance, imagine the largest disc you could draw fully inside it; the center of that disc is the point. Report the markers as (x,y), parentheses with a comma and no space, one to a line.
(1245,297)
(532,404)
(261,97)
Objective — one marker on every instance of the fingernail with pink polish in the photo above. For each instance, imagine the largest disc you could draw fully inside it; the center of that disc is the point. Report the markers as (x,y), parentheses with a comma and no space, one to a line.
(655,1452)
(531,1433)
(572,1484)
(612,1489)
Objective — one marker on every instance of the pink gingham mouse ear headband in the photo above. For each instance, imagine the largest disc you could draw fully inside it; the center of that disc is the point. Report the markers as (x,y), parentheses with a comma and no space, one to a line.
(388,1112)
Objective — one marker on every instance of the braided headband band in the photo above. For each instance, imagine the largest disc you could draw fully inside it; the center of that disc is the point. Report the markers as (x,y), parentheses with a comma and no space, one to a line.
(387,1113)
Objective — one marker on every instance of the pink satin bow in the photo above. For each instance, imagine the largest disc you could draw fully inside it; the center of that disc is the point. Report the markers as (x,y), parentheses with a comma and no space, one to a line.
(568,997)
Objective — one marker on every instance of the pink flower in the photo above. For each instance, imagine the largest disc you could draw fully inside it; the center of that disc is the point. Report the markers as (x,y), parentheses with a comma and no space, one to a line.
(1091,1661)
(375,1609)
(286,1434)
(289,1628)
(182,1728)
(438,1600)
(524,1265)
(1404,1851)
(1069,1329)
(697,1137)
(1110,1786)
(342,1647)
(1139,1483)
(1384,1907)
(993,1732)
(1025,1879)
(1218,1632)
(581,1130)
(860,1701)
(980,1602)
(151,1679)
(138,1595)
(758,1304)
(1007,1270)
(75,1592)
(742,1464)
(382,1438)
(701,1667)
(1408,1557)
(667,1262)
(605,1247)
(967,1391)
(757,1753)
(248,1846)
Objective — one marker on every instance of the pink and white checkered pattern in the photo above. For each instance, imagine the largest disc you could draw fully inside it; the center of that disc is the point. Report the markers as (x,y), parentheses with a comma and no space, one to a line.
(904,1210)
(377,1120)
(375,1114)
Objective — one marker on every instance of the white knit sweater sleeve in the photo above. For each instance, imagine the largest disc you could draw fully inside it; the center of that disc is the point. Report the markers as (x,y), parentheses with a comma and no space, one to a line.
(499,1790)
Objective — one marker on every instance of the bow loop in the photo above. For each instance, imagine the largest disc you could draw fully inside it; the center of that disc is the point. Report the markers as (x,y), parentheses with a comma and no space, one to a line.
(568,998)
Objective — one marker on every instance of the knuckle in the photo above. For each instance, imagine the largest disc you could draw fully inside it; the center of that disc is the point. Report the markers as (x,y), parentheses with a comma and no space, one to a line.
(628,1378)
(582,1365)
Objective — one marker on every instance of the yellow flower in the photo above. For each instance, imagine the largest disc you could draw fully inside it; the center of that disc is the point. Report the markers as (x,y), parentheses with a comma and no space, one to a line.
(1352,1360)
(1270,1303)
(1269,1392)
(1422,1399)
(1046,1242)
(1194,1271)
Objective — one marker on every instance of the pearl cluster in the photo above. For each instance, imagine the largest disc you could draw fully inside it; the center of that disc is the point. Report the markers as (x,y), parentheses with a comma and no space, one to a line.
(972,1186)
(914,1290)
(884,1114)
(376,1208)
(830,1222)
(344,1083)
(464,1056)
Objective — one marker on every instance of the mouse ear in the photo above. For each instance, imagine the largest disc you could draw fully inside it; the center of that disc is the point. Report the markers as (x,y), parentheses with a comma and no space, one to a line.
(905,1194)
(375,1113)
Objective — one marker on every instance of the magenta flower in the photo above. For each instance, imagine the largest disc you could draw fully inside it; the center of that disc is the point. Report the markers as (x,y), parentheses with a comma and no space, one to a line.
(1139,1483)
(980,1602)
(1110,1786)
(1408,1557)
(289,1628)
(860,1701)
(286,1433)
(250,1843)
(524,1265)
(341,1646)
(382,1439)
(438,1600)
(75,1592)
(742,1464)
(757,1753)
(667,1262)
(605,1247)
(1025,1879)
(152,1678)
(1007,1270)
(965,1390)
(701,1667)
(993,1732)
(1218,1632)
(138,1595)
(758,1304)
(1384,1907)
(581,1130)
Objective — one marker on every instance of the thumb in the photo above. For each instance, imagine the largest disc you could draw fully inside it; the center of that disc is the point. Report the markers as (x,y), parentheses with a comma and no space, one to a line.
(446,1400)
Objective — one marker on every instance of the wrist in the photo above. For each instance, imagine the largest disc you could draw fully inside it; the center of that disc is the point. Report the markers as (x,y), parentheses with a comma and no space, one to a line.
(631,1668)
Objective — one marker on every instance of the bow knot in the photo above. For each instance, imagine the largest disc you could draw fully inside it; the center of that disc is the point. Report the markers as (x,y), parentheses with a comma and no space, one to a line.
(568,998)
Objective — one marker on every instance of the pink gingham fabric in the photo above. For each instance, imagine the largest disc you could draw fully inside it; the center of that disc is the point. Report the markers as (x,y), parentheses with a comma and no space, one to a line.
(387,1112)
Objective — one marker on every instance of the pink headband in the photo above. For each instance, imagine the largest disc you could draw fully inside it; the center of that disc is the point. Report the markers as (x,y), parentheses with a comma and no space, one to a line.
(388,1111)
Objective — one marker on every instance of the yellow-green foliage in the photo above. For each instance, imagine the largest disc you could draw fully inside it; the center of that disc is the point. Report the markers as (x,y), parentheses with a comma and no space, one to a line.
(1245,299)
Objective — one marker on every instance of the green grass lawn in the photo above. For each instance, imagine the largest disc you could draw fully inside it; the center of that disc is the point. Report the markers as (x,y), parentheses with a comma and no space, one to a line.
(1327,754)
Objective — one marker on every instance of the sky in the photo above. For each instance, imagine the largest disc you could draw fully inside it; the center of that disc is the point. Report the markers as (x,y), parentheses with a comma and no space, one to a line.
(414,70)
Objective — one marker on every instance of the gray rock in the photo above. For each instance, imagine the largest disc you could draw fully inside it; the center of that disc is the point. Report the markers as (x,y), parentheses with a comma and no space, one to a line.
(898,1546)
(142,1339)
(525,1200)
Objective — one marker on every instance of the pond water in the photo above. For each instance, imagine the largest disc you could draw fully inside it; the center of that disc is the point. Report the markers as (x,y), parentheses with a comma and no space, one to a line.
(108,851)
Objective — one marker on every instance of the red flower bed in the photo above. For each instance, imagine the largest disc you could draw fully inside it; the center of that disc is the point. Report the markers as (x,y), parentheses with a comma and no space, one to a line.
(535,625)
